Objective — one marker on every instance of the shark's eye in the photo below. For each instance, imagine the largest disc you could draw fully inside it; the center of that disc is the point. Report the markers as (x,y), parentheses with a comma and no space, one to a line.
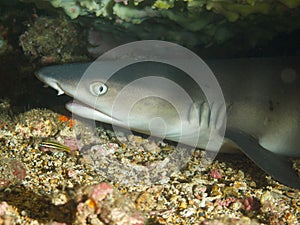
(98,88)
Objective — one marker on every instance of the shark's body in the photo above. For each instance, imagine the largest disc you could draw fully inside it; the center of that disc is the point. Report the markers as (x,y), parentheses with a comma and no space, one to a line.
(262,102)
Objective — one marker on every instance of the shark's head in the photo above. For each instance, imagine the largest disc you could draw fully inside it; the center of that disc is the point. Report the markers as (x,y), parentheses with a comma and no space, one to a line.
(90,92)
(146,96)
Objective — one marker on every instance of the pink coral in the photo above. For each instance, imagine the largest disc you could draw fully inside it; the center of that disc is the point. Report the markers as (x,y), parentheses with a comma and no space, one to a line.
(214,173)
(72,143)
(226,202)
(250,203)
(19,170)
(105,204)
(3,208)
(12,172)
(100,191)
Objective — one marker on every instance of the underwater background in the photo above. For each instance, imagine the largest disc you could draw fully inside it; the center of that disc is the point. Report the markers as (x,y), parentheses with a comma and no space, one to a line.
(44,182)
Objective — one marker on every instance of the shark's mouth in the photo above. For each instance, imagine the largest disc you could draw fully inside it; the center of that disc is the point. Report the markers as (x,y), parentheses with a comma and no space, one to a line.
(52,83)
(83,110)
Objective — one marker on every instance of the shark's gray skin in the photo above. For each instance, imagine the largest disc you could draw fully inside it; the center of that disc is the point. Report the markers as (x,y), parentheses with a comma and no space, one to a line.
(262,98)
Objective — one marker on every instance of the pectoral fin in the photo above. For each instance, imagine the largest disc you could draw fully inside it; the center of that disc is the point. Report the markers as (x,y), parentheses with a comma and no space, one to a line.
(279,167)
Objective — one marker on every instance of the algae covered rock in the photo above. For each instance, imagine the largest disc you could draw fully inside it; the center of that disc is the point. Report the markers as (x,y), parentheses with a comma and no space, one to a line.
(52,40)
(187,22)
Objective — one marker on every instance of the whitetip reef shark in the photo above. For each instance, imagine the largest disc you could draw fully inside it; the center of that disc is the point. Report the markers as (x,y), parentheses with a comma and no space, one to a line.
(262,97)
